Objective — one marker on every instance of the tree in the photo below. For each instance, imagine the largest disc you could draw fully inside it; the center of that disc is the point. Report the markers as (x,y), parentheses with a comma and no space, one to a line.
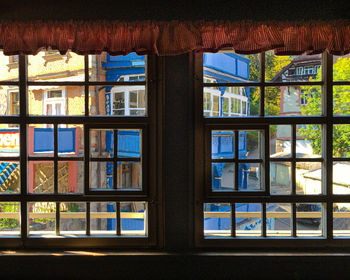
(341,106)
(273,65)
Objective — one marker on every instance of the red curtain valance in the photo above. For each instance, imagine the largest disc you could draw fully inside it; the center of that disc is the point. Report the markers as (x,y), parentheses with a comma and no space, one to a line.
(175,37)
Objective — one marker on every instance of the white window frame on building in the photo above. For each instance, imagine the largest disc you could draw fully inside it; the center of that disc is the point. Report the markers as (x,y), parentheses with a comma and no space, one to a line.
(55,101)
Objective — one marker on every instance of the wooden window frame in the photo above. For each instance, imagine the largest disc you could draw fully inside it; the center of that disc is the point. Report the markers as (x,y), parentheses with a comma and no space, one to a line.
(202,138)
(151,151)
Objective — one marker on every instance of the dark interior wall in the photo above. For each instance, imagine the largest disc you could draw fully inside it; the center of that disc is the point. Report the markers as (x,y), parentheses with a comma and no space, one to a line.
(173,10)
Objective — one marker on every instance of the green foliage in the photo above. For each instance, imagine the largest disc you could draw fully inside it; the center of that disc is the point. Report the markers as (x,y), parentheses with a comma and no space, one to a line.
(341,106)
(8,223)
(273,65)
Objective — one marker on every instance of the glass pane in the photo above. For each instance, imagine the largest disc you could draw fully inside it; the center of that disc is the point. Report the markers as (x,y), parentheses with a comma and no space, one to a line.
(229,67)
(129,175)
(56,100)
(101,143)
(8,67)
(50,65)
(70,177)
(341,100)
(280,178)
(73,218)
(231,101)
(341,68)
(10,218)
(249,144)
(217,219)
(9,177)
(278,219)
(42,218)
(249,177)
(248,219)
(341,180)
(101,175)
(309,177)
(341,143)
(299,68)
(309,141)
(40,140)
(222,144)
(9,99)
(118,100)
(41,176)
(133,218)
(341,219)
(309,219)
(223,176)
(70,140)
(103,218)
(293,101)
(121,68)
(129,143)
(9,140)
(280,141)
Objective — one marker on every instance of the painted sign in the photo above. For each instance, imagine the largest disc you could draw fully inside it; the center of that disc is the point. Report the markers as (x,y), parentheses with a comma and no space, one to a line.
(9,141)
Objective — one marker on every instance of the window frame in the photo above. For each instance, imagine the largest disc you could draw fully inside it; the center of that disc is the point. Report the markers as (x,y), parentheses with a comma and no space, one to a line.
(326,119)
(150,194)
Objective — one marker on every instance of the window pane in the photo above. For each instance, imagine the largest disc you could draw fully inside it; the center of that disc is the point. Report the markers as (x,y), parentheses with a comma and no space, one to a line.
(341,100)
(70,140)
(41,176)
(101,175)
(103,218)
(341,68)
(279,219)
(309,219)
(309,176)
(249,178)
(341,180)
(231,101)
(121,68)
(293,101)
(341,143)
(341,219)
(133,218)
(292,68)
(229,67)
(8,67)
(9,177)
(9,97)
(73,218)
(10,218)
(222,144)
(56,100)
(40,140)
(70,177)
(42,218)
(248,219)
(217,219)
(223,176)
(249,144)
(129,175)
(118,100)
(309,141)
(50,65)
(280,141)
(101,143)
(280,178)
(129,143)
(9,140)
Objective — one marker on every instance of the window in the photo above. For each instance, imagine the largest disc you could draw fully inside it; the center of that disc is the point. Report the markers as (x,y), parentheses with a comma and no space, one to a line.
(69,167)
(273,178)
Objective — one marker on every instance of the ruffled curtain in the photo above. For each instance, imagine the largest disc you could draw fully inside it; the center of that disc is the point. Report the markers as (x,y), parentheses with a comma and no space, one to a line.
(175,37)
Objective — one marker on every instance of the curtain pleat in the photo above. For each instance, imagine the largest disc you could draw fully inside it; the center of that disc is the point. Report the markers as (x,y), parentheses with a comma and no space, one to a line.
(175,37)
